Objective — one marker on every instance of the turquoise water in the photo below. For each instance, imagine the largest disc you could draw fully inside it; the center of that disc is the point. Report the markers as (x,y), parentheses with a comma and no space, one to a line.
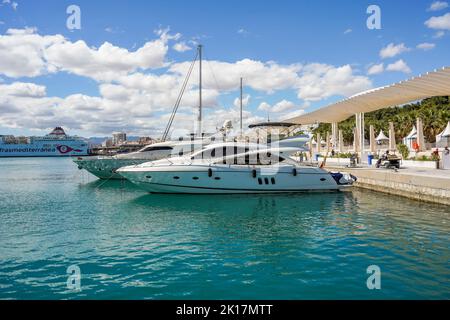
(133,245)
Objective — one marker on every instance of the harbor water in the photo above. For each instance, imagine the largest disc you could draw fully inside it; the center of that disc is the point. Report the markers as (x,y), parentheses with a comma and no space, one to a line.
(129,244)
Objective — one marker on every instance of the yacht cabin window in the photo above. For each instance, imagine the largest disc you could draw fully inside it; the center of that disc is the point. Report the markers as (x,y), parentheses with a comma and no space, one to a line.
(220,152)
(254,159)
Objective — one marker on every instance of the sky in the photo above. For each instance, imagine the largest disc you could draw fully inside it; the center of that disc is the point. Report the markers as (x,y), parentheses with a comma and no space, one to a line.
(123,68)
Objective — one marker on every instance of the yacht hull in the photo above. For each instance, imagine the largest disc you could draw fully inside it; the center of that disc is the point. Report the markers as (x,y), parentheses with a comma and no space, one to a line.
(105,167)
(228,180)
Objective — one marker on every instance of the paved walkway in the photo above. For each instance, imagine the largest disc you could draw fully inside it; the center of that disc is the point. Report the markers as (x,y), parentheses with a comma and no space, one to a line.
(430,185)
(434,173)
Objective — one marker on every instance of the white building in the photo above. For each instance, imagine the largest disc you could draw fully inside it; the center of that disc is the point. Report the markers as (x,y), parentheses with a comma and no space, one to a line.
(119,138)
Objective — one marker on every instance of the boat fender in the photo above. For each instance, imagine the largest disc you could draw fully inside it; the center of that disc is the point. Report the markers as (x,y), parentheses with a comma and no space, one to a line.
(80,167)
(254,173)
(294,172)
(210,172)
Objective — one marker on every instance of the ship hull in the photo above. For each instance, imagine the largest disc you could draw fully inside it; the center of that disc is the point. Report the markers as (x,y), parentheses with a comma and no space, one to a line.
(104,167)
(60,149)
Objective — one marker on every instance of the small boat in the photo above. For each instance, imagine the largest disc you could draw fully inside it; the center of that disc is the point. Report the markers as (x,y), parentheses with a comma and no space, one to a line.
(226,168)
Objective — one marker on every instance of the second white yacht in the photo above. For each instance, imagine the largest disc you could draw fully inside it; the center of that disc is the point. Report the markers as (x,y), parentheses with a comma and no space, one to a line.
(105,167)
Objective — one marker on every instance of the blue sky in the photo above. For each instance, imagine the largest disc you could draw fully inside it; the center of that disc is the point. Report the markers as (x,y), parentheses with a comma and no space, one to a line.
(283,34)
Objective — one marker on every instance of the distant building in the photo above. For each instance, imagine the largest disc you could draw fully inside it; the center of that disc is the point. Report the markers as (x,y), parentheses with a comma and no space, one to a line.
(145,140)
(107,143)
(118,138)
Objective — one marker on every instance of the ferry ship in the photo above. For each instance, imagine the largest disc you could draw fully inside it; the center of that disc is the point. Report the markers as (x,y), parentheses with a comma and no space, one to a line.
(55,144)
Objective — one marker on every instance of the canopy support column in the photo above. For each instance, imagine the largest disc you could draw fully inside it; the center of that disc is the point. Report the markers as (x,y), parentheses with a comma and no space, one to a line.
(341,142)
(420,137)
(392,143)
(328,142)
(319,144)
(334,134)
(359,135)
(372,139)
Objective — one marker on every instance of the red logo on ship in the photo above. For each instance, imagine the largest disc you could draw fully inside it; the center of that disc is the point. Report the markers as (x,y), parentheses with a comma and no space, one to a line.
(66,149)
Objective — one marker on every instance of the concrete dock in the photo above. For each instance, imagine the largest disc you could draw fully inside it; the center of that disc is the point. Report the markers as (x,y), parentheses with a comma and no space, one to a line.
(430,185)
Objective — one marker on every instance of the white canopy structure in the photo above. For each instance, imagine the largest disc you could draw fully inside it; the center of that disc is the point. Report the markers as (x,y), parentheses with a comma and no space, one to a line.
(435,83)
(381,137)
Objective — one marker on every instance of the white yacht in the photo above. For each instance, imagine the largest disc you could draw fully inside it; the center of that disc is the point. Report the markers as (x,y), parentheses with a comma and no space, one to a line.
(105,167)
(234,168)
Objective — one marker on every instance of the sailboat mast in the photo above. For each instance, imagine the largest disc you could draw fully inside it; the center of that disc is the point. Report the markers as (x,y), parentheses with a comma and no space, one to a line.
(241,107)
(199,120)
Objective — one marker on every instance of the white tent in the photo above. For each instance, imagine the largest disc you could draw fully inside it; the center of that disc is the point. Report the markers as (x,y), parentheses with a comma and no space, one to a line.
(443,139)
(446,132)
(413,134)
(381,137)
(411,138)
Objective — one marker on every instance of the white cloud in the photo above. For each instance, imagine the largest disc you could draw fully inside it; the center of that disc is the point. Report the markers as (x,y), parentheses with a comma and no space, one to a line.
(243,32)
(106,62)
(438,5)
(320,81)
(439,35)
(312,81)
(392,50)
(21,89)
(282,110)
(13,4)
(113,30)
(181,47)
(164,34)
(26,30)
(348,31)
(245,101)
(426,46)
(399,66)
(23,52)
(264,106)
(283,106)
(439,23)
(376,69)
(261,76)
